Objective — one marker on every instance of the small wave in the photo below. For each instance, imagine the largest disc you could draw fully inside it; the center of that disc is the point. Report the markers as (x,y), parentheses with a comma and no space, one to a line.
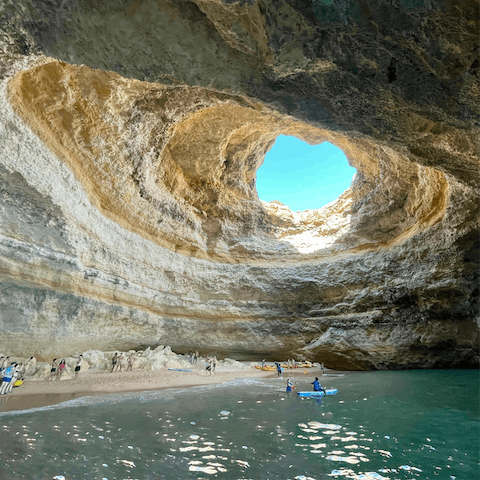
(147,396)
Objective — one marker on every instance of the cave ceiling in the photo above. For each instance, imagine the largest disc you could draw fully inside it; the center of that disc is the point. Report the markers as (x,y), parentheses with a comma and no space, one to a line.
(131,135)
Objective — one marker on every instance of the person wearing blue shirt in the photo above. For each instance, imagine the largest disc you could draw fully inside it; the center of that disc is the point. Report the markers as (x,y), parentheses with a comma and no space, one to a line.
(317,387)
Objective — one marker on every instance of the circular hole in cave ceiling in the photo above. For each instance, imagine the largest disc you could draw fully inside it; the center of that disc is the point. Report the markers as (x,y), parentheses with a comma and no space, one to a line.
(303,176)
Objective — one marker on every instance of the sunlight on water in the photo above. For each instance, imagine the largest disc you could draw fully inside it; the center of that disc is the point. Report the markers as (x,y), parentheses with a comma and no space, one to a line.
(384,425)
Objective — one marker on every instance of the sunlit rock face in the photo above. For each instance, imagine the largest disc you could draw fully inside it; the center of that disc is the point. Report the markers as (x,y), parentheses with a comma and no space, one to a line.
(130,137)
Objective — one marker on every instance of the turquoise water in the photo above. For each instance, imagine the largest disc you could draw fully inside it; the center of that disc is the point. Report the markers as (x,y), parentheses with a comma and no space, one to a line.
(397,425)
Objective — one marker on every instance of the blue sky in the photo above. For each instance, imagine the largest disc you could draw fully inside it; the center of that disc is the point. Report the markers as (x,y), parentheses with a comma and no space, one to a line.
(303,176)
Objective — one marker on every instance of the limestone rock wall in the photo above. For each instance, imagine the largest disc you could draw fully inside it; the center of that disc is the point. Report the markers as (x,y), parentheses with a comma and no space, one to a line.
(130,137)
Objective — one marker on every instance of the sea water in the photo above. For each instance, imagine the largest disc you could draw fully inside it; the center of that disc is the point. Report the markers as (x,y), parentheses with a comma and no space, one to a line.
(396,425)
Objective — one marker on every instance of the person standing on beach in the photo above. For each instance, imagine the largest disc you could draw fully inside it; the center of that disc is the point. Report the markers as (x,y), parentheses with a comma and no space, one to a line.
(114,362)
(120,360)
(211,368)
(209,364)
(130,360)
(61,369)
(26,364)
(195,357)
(15,374)
(214,364)
(323,368)
(264,362)
(78,366)
(7,378)
(53,370)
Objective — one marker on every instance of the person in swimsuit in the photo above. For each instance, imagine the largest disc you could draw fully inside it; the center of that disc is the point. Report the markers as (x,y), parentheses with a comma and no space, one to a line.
(210,366)
(61,369)
(120,360)
(26,364)
(130,361)
(78,366)
(114,362)
(214,364)
(53,369)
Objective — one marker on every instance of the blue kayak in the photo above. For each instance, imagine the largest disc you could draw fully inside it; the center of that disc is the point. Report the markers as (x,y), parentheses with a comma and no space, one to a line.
(180,369)
(330,391)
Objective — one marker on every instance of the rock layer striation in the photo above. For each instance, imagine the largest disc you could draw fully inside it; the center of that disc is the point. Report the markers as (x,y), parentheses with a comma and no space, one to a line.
(130,137)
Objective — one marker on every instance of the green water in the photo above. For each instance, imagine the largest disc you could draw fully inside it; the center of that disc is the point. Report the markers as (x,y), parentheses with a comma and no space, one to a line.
(397,425)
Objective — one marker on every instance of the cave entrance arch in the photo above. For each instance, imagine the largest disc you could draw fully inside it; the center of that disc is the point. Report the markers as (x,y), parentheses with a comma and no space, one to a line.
(303,176)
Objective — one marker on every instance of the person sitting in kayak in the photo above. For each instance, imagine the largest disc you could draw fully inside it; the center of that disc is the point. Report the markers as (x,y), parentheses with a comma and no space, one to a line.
(317,387)
(289,385)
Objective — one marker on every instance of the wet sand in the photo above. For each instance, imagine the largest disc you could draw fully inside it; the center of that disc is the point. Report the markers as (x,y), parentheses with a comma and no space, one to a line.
(39,393)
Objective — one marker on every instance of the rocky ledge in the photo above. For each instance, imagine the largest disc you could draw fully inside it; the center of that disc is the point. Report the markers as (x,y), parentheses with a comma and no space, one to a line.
(130,137)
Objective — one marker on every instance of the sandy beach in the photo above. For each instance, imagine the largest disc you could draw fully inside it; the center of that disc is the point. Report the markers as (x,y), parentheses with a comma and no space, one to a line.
(39,393)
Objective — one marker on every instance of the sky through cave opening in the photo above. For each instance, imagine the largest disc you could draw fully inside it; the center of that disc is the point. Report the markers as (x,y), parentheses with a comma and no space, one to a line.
(303,176)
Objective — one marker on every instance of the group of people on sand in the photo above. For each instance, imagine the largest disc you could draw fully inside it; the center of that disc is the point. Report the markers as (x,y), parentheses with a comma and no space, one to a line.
(193,357)
(58,369)
(118,361)
(11,374)
(292,363)
(211,364)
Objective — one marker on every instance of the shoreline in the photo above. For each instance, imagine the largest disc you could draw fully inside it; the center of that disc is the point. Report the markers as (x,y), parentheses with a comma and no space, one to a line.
(42,393)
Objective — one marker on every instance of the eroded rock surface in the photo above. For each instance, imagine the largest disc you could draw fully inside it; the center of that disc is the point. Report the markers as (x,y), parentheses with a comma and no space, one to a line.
(130,137)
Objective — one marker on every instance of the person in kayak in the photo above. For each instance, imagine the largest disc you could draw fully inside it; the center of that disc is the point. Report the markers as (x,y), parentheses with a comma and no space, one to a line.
(317,387)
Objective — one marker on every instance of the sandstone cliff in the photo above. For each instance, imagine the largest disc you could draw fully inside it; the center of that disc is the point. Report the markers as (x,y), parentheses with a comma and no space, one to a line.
(130,137)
